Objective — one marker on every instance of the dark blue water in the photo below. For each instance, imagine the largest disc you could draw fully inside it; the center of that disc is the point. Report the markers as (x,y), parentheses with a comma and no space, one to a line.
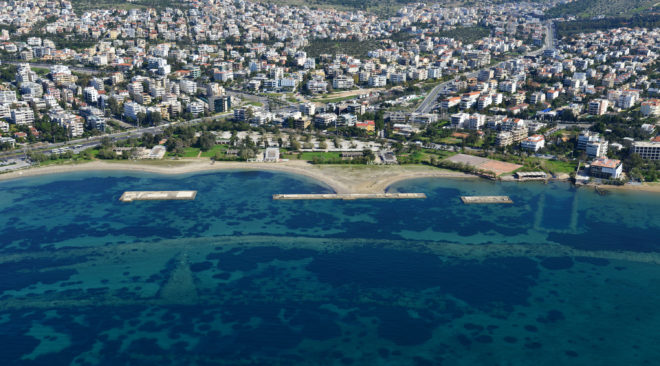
(562,276)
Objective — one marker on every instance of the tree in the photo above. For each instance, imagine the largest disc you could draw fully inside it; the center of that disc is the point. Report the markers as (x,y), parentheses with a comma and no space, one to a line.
(206,141)
(106,153)
(106,142)
(368,154)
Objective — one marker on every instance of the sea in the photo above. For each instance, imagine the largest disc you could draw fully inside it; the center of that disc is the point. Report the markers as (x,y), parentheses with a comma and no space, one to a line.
(563,276)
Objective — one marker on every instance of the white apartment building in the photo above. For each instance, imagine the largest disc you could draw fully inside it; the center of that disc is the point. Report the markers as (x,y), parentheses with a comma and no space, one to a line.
(132,109)
(188,86)
(196,108)
(597,149)
(376,81)
(533,143)
(343,82)
(651,107)
(22,116)
(459,120)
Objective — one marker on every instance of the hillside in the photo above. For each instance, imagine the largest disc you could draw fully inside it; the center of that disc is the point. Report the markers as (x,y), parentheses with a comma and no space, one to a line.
(83,5)
(595,8)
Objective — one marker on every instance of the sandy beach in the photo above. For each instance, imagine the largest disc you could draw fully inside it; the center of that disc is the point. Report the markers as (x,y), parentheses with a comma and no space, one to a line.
(341,178)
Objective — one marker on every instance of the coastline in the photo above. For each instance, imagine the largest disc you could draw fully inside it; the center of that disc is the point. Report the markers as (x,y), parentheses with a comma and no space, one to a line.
(644,187)
(340,178)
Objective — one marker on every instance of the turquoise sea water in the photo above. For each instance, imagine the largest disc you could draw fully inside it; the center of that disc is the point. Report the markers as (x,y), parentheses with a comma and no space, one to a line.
(562,276)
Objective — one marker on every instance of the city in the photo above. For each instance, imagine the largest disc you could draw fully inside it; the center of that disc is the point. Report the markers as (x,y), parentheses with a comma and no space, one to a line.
(329,182)
(490,80)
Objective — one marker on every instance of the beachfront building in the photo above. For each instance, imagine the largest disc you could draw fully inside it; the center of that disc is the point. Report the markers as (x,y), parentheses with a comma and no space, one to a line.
(647,150)
(606,168)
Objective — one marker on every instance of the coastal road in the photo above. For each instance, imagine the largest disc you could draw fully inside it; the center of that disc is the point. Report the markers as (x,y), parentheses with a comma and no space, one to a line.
(430,101)
(93,141)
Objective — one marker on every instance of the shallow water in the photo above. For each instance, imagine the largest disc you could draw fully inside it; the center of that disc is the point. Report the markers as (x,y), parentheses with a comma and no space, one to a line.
(561,276)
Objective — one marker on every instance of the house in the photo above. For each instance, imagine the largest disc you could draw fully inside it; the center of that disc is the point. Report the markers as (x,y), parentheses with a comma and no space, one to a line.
(606,168)
(370,126)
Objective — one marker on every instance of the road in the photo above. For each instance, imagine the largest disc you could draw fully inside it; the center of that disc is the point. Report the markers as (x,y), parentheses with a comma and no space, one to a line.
(94,141)
(430,101)
(81,70)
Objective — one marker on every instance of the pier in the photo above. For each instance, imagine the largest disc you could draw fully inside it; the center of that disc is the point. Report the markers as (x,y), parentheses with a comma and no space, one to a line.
(349,196)
(486,199)
(130,196)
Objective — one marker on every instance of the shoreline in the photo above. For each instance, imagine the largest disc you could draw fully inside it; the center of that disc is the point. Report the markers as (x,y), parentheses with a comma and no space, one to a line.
(339,178)
(342,179)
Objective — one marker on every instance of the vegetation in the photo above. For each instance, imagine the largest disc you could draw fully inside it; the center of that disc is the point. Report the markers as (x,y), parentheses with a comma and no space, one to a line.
(592,25)
(593,8)
(351,47)
(84,5)
(463,34)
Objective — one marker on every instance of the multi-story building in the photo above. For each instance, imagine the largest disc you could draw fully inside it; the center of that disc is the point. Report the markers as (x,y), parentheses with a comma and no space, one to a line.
(221,103)
(342,82)
(597,149)
(22,116)
(647,150)
(598,107)
(534,143)
(476,121)
(196,108)
(324,120)
(376,81)
(459,120)
(504,138)
(132,109)
(606,168)
(307,109)
(586,137)
(651,107)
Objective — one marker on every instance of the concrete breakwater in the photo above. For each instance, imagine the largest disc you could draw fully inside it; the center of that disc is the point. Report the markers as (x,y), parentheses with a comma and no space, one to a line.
(486,199)
(349,196)
(130,196)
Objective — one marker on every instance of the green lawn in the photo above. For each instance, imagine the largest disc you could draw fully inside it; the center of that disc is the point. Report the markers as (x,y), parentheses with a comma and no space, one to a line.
(557,167)
(190,152)
(215,149)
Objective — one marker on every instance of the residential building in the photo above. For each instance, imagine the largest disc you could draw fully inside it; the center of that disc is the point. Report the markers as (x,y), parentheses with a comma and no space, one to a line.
(647,150)
(22,116)
(651,107)
(504,138)
(534,143)
(598,107)
(606,168)
(132,110)
(596,149)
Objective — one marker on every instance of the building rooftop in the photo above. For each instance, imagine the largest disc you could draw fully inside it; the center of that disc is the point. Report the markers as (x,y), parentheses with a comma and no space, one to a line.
(606,163)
